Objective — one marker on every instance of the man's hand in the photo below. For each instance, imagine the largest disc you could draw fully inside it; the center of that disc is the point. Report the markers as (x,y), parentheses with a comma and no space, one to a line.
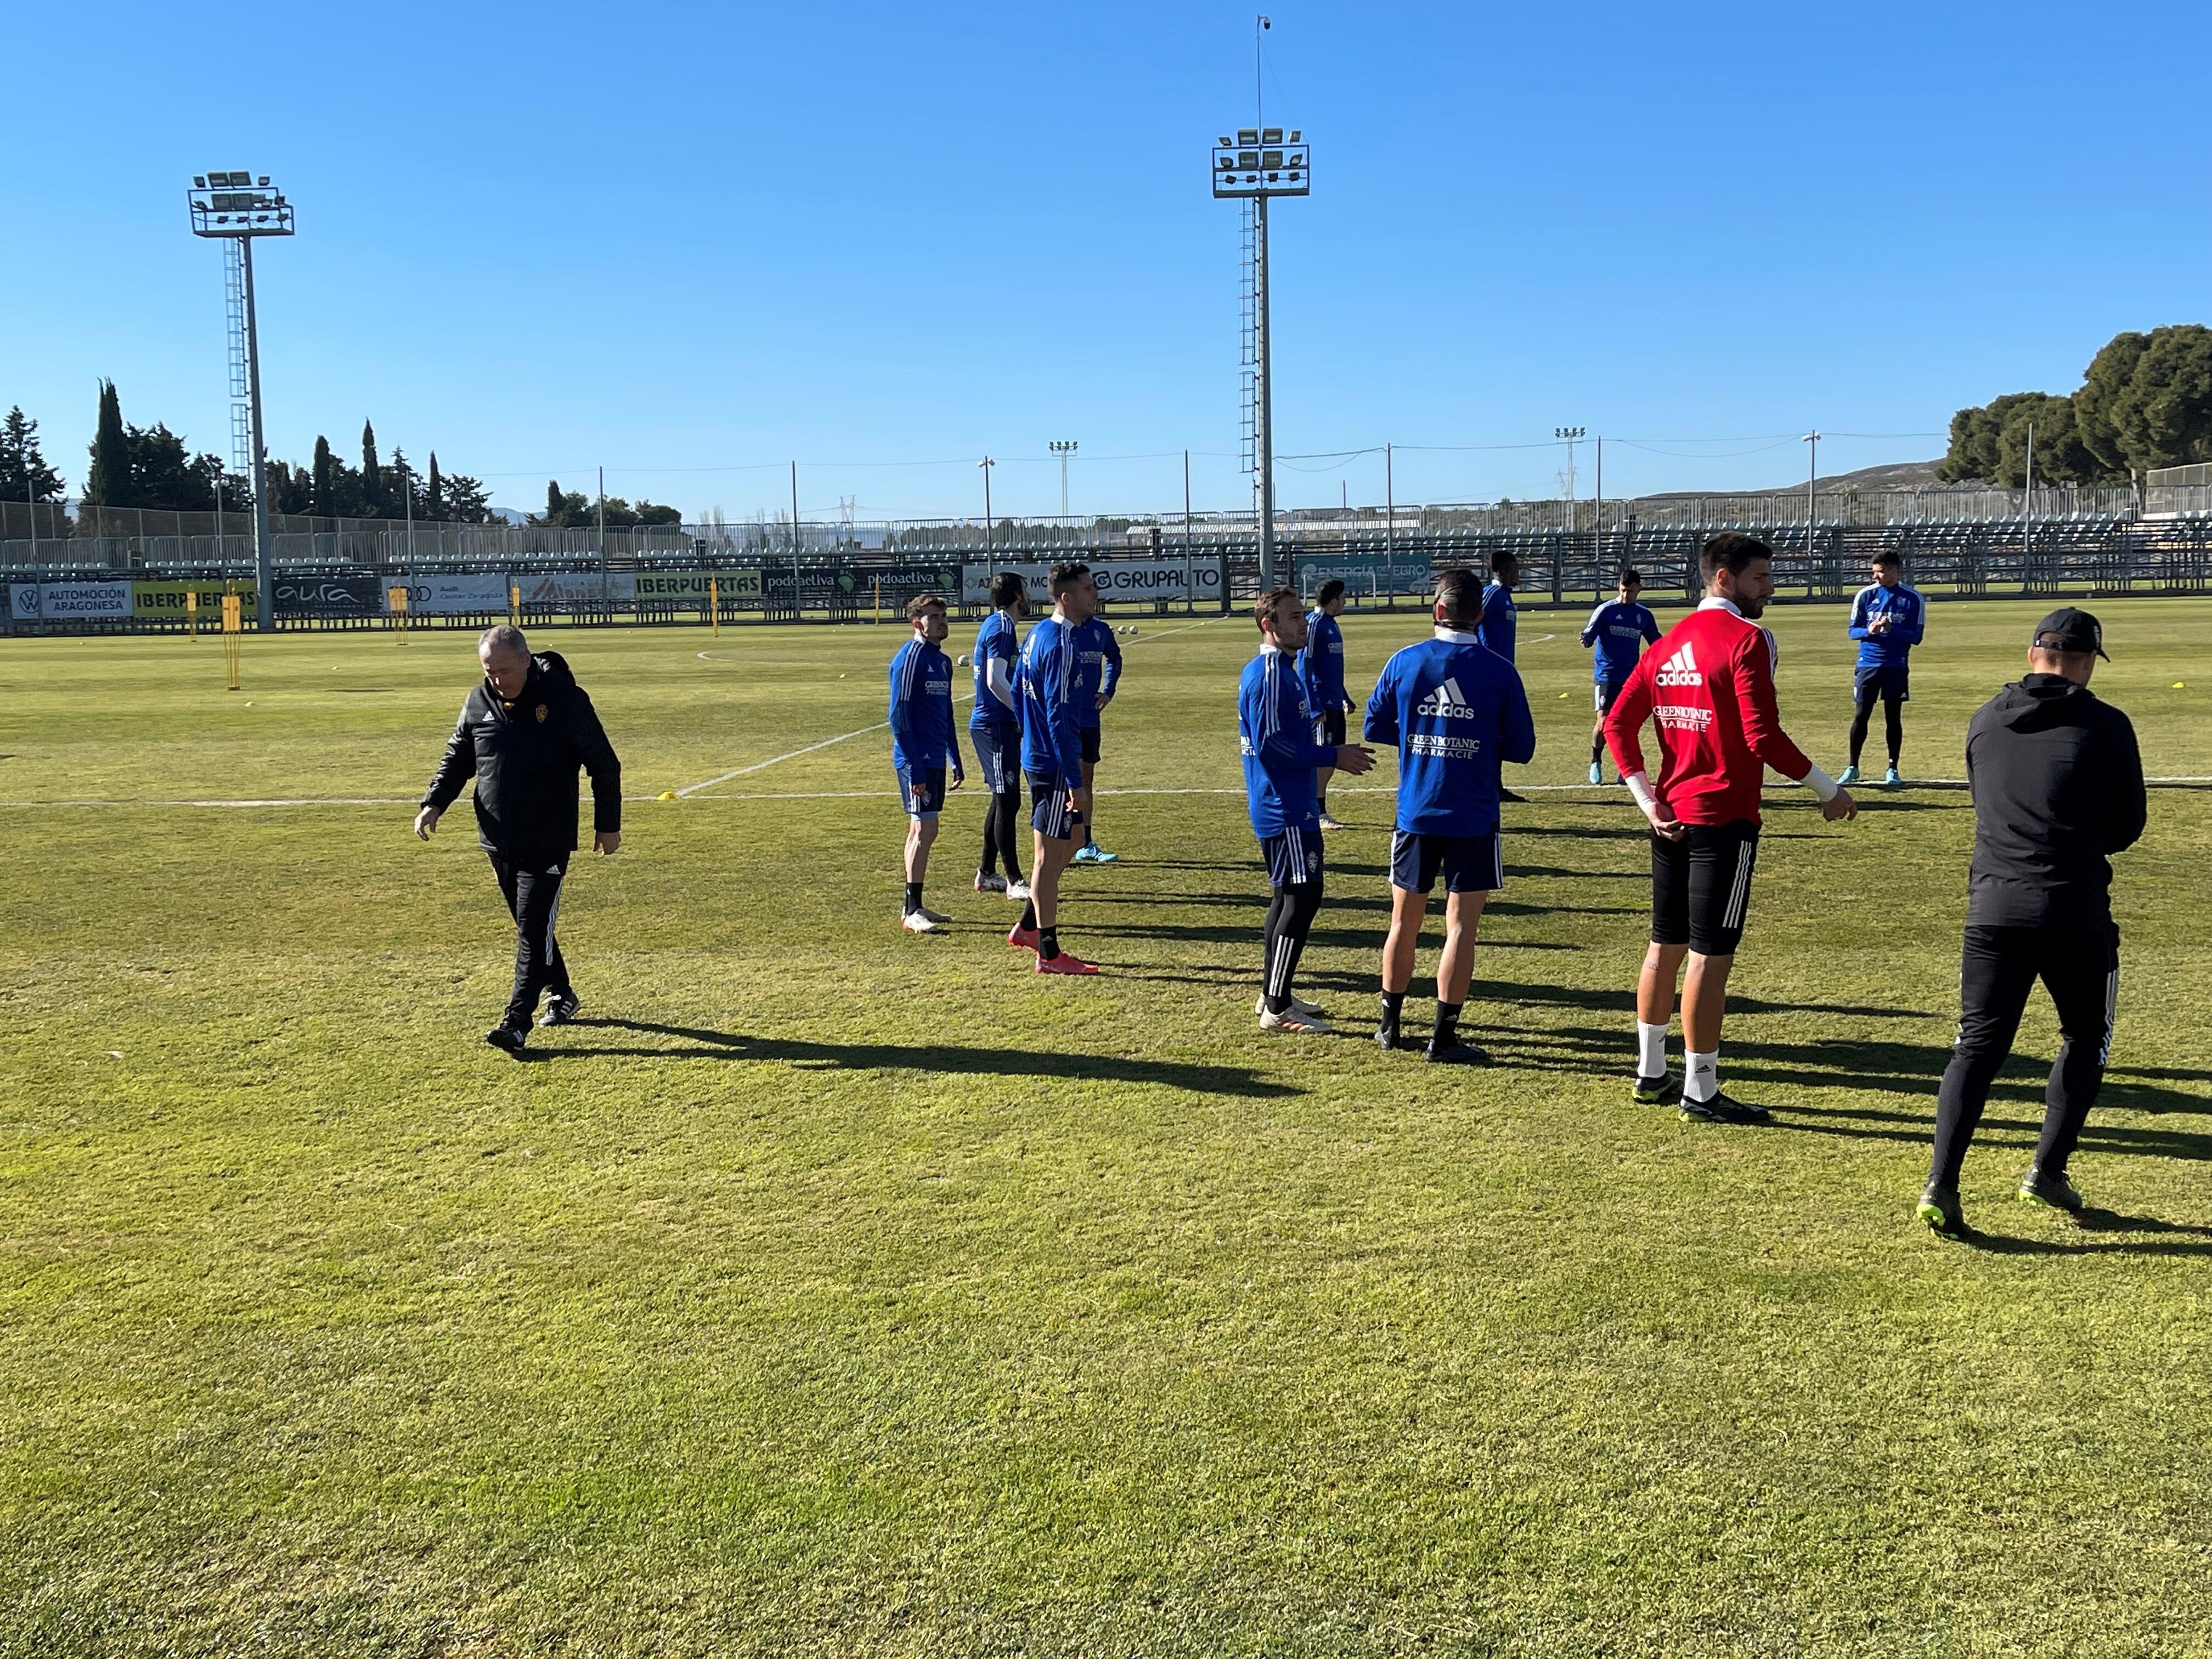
(426,820)
(959,777)
(1664,823)
(1839,806)
(1354,757)
(607,843)
(1102,700)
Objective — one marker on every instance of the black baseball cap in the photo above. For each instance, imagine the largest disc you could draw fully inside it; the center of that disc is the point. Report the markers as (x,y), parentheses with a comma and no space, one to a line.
(2070,629)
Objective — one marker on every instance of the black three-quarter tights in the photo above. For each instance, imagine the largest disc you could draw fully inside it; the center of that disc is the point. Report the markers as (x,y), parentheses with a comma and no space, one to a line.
(1290,916)
(1002,833)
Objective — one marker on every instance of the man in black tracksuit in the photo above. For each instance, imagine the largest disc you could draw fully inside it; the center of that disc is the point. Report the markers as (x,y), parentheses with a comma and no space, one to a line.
(522,734)
(2058,787)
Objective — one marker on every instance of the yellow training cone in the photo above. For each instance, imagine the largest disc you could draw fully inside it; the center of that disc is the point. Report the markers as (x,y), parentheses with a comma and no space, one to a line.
(667,794)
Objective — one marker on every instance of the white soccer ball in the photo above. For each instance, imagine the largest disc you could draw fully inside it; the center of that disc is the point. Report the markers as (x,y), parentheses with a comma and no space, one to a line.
(962,659)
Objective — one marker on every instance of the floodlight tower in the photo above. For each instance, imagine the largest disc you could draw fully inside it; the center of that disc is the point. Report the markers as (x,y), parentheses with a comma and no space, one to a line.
(1262,163)
(237,207)
(1063,447)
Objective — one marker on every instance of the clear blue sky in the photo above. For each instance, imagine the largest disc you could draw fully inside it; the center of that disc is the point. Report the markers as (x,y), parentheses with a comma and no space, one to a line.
(670,237)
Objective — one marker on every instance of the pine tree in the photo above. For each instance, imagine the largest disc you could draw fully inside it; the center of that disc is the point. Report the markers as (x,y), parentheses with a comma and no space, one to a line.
(24,474)
(372,475)
(108,482)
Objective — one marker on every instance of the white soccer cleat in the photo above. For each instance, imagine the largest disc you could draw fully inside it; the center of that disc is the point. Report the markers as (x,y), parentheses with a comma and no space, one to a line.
(1328,824)
(1291,1022)
(937,917)
(1298,1006)
(1019,891)
(920,922)
(990,884)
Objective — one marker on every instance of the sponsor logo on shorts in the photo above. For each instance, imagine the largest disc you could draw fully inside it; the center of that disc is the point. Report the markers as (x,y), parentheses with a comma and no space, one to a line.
(1680,669)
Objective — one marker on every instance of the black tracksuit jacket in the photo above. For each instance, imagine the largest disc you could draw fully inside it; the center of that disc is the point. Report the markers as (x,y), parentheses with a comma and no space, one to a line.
(2058,788)
(524,756)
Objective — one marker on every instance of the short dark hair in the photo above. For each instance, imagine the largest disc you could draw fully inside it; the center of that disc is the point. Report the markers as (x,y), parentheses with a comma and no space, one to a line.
(1459,591)
(1065,576)
(922,603)
(1732,552)
(1263,608)
(1503,557)
(1331,589)
(1631,577)
(1006,587)
(1892,557)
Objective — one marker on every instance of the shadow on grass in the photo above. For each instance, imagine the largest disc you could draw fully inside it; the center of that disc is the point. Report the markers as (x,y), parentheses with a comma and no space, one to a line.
(2168,1238)
(703,1044)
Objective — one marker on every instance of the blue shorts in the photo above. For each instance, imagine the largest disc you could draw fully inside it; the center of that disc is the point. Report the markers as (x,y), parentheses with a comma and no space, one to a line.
(1050,815)
(1293,857)
(1089,735)
(1328,727)
(998,756)
(1891,681)
(1468,864)
(922,792)
(1609,692)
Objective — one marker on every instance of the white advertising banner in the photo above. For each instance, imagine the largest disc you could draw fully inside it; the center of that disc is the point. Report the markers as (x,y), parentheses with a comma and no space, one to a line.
(1120,581)
(68,601)
(565,587)
(434,596)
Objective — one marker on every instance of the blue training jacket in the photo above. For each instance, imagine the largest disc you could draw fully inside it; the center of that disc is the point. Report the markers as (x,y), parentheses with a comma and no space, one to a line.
(1500,622)
(922,708)
(1620,631)
(1047,679)
(1275,731)
(1321,665)
(1098,659)
(1909,619)
(995,639)
(1455,709)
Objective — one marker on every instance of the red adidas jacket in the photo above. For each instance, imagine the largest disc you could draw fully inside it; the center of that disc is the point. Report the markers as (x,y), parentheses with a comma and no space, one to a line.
(1709,687)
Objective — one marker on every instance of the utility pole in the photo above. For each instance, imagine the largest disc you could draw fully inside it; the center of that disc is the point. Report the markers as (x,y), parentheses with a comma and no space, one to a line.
(607,583)
(1570,433)
(1812,506)
(795,609)
(1597,519)
(1063,448)
(990,541)
(1389,525)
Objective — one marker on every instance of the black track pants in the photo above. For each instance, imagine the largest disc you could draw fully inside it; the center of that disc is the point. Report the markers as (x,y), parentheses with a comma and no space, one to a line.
(1997,970)
(1893,715)
(533,899)
(1290,912)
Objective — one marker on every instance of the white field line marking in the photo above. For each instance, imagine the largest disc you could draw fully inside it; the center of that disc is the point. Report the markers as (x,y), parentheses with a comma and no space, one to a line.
(880,726)
(1607,789)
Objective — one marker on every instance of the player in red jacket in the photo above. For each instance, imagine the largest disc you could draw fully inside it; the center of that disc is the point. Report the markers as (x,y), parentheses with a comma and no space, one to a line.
(1708,686)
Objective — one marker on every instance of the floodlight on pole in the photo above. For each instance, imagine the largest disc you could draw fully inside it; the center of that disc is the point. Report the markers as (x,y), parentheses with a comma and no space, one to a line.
(1261,163)
(989,540)
(238,207)
(1063,448)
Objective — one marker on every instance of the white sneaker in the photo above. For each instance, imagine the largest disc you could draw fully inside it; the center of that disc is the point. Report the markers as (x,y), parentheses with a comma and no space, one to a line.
(990,884)
(1293,1023)
(920,922)
(1019,891)
(932,915)
(1298,1006)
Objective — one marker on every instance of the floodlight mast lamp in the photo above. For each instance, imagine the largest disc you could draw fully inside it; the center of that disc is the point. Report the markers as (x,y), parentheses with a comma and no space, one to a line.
(239,207)
(1263,162)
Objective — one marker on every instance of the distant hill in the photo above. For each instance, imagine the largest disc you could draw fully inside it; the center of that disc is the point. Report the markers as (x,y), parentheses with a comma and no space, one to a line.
(1898,475)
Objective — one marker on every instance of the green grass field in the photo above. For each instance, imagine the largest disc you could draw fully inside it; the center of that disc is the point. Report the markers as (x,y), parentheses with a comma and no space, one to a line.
(834,1290)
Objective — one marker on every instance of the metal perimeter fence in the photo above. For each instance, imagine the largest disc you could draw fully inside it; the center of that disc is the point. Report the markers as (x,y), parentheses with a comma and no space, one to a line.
(149,575)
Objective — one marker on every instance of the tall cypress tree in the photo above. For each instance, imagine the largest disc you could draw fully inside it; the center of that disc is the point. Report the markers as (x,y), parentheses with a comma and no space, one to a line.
(555,507)
(108,483)
(325,479)
(430,502)
(372,474)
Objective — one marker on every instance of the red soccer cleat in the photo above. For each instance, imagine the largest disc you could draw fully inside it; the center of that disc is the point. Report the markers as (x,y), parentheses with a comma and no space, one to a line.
(1022,938)
(1065,963)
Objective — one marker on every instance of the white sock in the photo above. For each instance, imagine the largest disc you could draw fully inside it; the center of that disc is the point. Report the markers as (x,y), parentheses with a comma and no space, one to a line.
(1651,1050)
(1701,1076)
